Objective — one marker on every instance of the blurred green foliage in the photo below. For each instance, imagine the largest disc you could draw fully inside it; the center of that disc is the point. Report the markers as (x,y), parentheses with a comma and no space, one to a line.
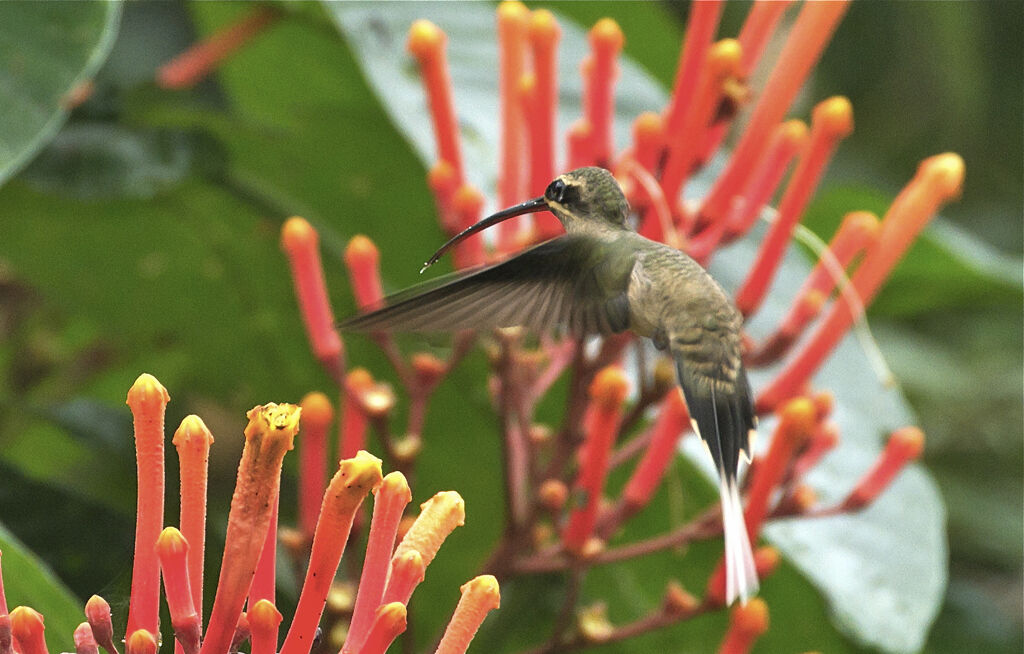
(143,238)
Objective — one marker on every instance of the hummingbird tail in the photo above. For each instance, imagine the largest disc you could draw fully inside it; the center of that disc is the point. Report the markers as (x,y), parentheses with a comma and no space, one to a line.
(740,573)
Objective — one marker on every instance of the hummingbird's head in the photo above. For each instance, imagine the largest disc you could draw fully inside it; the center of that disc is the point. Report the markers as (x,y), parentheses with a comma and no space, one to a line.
(585,199)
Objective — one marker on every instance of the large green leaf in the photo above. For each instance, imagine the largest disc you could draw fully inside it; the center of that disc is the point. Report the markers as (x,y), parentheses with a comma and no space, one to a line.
(47,50)
(882,571)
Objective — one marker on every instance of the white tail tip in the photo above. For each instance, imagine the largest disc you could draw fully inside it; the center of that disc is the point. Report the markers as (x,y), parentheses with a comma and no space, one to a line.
(740,573)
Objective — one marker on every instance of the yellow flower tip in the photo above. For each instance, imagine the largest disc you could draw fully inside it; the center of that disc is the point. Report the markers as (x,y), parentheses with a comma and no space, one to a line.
(362,473)
(147,393)
(484,590)
(449,504)
(824,402)
(361,251)
(804,497)
(408,448)
(607,35)
(264,615)
(944,173)
(766,559)
(358,379)
(724,58)
(439,516)
(468,199)
(813,300)
(797,418)
(678,600)
(593,623)
(426,365)
(392,616)
(512,12)
(834,115)
(191,430)
(553,494)
(409,565)
(317,411)
(609,387)
(864,224)
(298,234)
(279,421)
(171,542)
(395,485)
(592,547)
(97,609)
(426,39)
(648,126)
(909,441)
(441,175)
(527,84)
(795,132)
(581,129)
(140,641)
(26,623)
(544,26)
(751,618)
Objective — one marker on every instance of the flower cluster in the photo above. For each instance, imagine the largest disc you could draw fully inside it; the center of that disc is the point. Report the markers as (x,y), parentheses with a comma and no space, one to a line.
(244,604)
(558,518)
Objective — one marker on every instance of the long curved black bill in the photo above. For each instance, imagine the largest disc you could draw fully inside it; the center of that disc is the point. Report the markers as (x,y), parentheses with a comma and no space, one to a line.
(530,206)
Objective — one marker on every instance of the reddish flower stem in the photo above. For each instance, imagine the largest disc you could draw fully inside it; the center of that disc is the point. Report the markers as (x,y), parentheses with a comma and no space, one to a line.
(673,421)
(468,205)
(807,40)
(427,43)
(648,141)
(442,182)
(905,445)
(832,121)
(148,400)
(544,34)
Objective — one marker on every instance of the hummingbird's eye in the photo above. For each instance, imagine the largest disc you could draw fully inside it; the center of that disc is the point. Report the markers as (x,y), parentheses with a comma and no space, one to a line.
(556,191)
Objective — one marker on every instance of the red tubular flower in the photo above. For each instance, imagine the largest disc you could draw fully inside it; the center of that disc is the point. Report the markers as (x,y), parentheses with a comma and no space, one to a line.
(442,182)
(300,243)
(544,34)
(606,40)
(140,641)
(407,571)
(389,621)
(390,500)
(264,580)
(804,45)
(268,437)
(700,32)
(193,440)
(601,423)
(85,642)
(27,629)
(673,421)
(264,622)
(905,445)
(352,427)
(746,624)
(648,140)
(355,478)
(172,548)
(317,414)
(438,517)
(363,261)
(468,205)
(427,43)
(97,612)
(148,400)
(832,120)
(190,67)
(579,142)
(479,596)
(513,20)
(938,180)
(824,440)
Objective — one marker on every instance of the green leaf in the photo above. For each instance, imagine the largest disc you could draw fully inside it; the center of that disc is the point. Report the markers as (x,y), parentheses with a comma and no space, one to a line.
(883,571)
(29,582)
(47,50)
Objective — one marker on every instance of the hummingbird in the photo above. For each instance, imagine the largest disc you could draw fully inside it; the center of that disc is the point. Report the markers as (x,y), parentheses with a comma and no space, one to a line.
(601,277)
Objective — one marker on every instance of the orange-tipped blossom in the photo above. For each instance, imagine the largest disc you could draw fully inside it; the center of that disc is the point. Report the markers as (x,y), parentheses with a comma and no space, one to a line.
(85,642)
(389,501)
(363,262)
(407,571)
(544,34)
(832,120)
(606,40)
(579,144)
(27,629)
(426,43)
(97,613)
(442,182)
(553,494)
(721,64)
(601,425)
(264,621)
(352,426)
(389,620)
(701,26)
(938,180)
(904,446)
(140,641)
(438,517)
(468,205)
(806,41)
(824,440)
(479,596)
(268,436)
(673,421)
(355,478)
(746,624)
(148,399)
(317,414)
(172,548)
(513,20)
(648,140)
(193,440)
(300,243)
(190,67)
